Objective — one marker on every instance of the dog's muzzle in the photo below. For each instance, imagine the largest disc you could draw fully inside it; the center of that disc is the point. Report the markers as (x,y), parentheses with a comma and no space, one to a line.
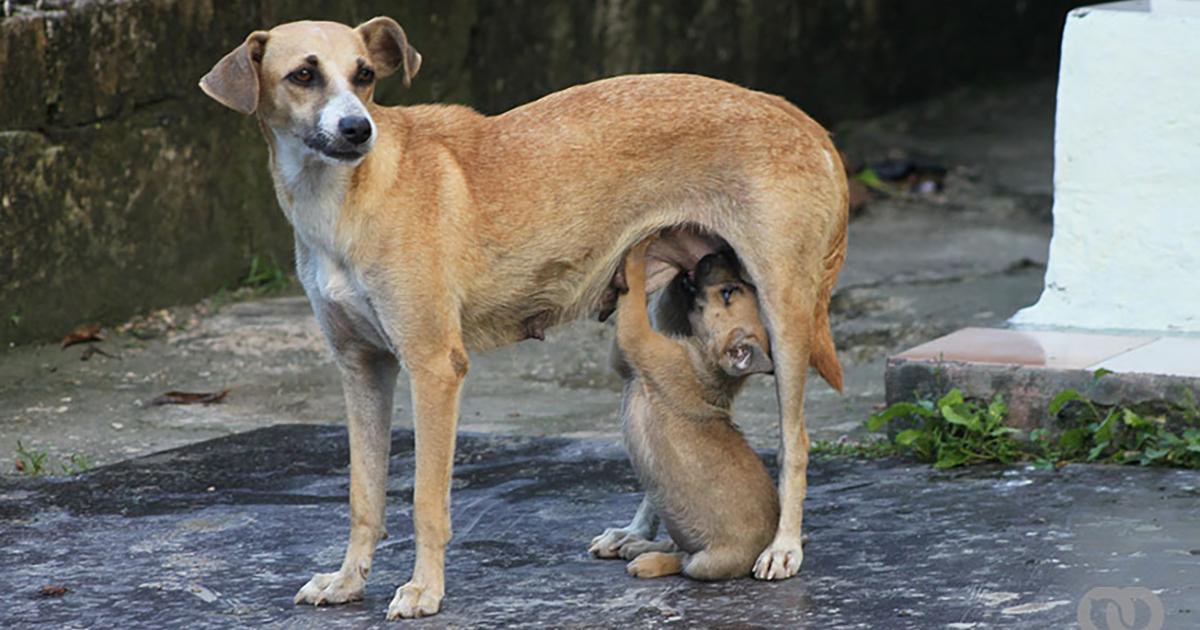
(342,149)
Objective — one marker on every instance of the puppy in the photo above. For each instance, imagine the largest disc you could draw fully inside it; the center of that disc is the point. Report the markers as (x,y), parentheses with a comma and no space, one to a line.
(700,475)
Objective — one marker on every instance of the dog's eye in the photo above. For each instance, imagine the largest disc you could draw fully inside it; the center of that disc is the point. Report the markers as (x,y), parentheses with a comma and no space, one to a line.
(303,76)
(364,76)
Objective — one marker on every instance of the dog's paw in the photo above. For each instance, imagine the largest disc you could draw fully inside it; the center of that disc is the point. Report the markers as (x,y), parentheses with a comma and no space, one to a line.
(413,600)
(331,588)
(779,562)
(609,544)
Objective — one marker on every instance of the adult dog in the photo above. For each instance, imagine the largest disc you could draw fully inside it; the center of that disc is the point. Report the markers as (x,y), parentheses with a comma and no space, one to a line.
(424,232)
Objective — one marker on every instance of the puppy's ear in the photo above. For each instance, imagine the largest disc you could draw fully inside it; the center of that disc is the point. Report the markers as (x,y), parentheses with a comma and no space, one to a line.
(233,82)
(389,48)
(744,355)
(688,283)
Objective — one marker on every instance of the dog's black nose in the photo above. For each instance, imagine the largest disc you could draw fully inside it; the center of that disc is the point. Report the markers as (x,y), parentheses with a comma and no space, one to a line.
(355,129)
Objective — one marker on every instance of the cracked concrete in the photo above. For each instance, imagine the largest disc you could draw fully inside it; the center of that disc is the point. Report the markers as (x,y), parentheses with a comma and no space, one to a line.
(918,267)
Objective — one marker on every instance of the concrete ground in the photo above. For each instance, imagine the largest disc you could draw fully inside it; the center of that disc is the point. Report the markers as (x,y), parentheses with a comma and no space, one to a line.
(222,534)
(918,267)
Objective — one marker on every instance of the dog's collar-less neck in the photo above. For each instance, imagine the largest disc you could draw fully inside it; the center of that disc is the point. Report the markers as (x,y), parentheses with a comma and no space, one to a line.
(311,190)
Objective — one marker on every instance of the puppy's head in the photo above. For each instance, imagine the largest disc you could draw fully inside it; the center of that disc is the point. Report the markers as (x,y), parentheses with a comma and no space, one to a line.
(724,315)
(312,81)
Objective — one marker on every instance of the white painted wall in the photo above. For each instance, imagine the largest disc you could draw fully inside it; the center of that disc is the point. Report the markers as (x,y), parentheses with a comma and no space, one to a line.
(1126,247)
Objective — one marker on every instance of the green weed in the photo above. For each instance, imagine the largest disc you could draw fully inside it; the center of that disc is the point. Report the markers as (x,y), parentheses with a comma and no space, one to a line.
(265,276)
(954,431)
(32,463)
(36,463)
(869,449)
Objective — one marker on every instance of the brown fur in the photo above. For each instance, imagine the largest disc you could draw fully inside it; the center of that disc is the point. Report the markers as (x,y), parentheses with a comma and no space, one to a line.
(451,231)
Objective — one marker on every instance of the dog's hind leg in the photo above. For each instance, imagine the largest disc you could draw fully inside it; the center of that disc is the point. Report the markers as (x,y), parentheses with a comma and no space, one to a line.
(368,381)
(793,255)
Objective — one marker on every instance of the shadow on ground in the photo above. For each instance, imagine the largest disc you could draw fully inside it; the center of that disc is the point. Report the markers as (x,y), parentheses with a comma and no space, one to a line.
(223,532)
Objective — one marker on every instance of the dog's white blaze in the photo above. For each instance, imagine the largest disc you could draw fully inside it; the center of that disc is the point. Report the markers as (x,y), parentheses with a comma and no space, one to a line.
(344,104)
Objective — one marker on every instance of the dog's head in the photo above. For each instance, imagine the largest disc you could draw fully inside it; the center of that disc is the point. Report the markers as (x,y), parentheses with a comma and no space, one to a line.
(724,315)
(312,81)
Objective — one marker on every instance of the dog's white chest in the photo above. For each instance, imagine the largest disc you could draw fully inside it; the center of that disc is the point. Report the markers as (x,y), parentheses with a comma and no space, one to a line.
(339,299)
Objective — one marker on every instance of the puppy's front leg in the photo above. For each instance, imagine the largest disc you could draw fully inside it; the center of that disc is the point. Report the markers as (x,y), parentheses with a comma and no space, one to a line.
(437,376)
(642,528)
(368,382)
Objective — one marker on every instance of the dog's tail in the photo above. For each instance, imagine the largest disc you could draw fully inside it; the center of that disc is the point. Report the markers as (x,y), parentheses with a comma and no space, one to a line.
(824,354)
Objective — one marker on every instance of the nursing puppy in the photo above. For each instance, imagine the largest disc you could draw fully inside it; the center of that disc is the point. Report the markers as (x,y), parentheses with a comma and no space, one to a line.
(424,233)
(700,475)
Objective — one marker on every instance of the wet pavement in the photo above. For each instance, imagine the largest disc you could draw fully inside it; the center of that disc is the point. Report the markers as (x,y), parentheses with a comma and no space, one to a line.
(222,533)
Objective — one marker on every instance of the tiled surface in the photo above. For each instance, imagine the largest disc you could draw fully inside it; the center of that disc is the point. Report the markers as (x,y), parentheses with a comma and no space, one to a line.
(1167,355)
(1060,350)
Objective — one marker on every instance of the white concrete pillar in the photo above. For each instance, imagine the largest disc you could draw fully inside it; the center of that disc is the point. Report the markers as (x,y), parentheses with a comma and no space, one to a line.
(1126,247)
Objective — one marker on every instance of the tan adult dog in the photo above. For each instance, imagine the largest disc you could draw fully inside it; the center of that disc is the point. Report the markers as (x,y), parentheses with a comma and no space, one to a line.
(424,232)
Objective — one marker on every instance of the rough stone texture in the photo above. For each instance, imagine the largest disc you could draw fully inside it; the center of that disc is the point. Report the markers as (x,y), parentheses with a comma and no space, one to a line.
(222,533)
(1029,390)
(123,188)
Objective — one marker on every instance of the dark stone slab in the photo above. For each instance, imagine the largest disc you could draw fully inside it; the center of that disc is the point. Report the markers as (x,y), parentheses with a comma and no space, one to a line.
(221,534)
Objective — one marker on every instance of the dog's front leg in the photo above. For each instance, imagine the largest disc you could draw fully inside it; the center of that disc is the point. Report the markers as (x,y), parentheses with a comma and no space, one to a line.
(368,382)
(437,376)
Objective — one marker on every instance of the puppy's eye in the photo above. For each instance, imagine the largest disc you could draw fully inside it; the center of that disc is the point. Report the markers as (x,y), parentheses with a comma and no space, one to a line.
(303,76)
(364,76)
(727,293)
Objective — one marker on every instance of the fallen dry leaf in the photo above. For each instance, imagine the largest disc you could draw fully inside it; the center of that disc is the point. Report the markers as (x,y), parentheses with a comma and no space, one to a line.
(83,334)
(190,398)
(53,590)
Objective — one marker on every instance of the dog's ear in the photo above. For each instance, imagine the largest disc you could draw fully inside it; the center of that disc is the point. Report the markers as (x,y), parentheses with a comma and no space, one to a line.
(389,48)
(744,355)
(233,82)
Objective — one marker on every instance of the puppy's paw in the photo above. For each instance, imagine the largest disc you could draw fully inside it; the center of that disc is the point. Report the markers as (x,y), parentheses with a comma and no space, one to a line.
(636,548)
(609,544)
(331,588)
(654,564)
(414,600)
(779,561)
